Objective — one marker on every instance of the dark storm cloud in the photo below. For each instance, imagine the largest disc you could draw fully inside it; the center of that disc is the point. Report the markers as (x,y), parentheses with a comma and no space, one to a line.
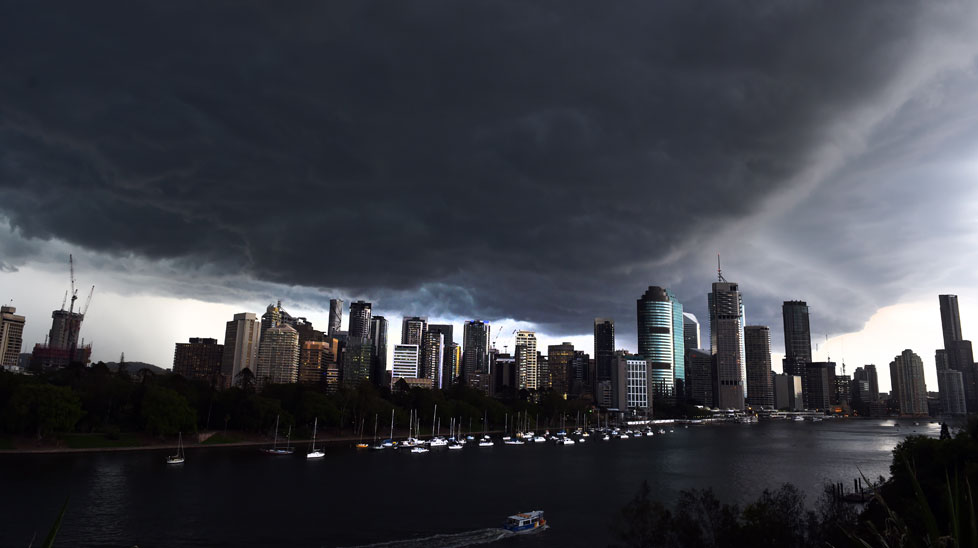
(541,161)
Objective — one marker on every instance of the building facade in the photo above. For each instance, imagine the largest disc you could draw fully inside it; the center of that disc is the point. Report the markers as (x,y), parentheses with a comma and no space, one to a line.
(727,345)
(797,341)
(475,350)
(335,316)
(660,330)
(820,384)
(699,377)
(359,329)
(278,356)
(200,359)
(908,392)
(559,358)
(631,382)
(528,367)
(604,348)
(241,341)
(11,336)
(757,347)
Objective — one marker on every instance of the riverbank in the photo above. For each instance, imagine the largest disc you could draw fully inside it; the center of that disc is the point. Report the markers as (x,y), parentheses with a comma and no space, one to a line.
(97,443)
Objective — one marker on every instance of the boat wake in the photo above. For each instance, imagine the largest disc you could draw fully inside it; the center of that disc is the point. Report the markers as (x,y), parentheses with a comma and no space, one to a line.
(452,540)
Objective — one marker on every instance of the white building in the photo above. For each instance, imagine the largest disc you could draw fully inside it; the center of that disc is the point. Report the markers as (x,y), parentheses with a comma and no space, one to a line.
(528,369)
(241,340)
(406,362)
(278,356)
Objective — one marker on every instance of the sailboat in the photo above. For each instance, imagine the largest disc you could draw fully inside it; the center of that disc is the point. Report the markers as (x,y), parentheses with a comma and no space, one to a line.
(313,452)
(275,449)
(360,444)
(389,442)
(178,458)
(376,446)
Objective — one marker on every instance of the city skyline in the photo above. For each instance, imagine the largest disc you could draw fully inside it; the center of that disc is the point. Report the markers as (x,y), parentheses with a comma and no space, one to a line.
(193,174)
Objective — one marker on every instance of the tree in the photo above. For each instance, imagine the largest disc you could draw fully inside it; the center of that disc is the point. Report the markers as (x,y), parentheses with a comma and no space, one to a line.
(44,408)
(165,412)
(245,379)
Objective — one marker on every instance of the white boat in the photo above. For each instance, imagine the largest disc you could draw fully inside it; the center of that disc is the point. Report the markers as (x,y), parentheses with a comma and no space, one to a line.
(313,452)
(662,430)
(178,458)
(606,437)
(538,439)
(419,449)
(438,442)
(486,441)
(275,449)
(455,445)
(514,442)
(623,437)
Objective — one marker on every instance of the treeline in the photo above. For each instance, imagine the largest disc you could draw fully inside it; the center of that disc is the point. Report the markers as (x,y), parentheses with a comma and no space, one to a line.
(927,502)
(97,400)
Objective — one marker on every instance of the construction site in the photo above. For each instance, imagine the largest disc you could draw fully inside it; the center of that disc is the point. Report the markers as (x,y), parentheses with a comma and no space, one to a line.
(61,347)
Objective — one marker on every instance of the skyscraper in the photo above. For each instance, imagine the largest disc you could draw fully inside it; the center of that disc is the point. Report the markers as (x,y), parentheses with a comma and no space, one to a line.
(475,349)
(661,340)
(11,336)
(821,384)
(559,357)
(604,348)
(797,342)
(959,352)
(378,338)
(950,319)
(406,362)
(448,347)
(950,386)
(359,321)
(691,331)
(335,316)
(451,368)
(358,360)
(907,379)
(241,339)
(199,359)
(727,344)
(699,377)
(631,383)
(529,368)
(314,358)
(278,356)
(433,358)
(757,344)
(413,329)
(271,318)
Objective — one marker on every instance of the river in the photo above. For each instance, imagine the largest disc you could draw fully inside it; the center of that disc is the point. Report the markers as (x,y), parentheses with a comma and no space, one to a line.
(242,497)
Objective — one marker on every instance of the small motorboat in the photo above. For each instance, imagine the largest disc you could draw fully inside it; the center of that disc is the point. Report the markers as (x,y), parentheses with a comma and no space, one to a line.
(526,522)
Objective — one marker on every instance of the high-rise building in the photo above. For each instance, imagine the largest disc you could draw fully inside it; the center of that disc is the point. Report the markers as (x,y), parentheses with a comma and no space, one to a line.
(787,392)
(359,321)
(958,352)
(378,338)
(950,319)
(951,388)
(241,338)
(451,368)
(446,331)
(278,356)
(691,331)
(335,316)
(504,378)
(271,318)
(199,359)
(433,358)
(661,340)
(62,348)
(559,357)
(543,372)
(529,370)
(580,365)
(727,344)
(797,341)
(909,392)
(413,329)
(632,384)
(358,361)
(406,362)
(11,336)
(820,384)
(699,377)
(314,358)
(757,346)
(475,349)
(604,348)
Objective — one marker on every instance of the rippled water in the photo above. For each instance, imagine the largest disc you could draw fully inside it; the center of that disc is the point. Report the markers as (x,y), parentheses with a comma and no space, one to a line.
(241,497)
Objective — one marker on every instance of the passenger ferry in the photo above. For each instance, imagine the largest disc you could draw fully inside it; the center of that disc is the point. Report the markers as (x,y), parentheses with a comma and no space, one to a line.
(526,522)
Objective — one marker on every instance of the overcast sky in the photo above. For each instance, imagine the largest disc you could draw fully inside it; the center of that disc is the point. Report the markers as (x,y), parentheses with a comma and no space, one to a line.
(535,164)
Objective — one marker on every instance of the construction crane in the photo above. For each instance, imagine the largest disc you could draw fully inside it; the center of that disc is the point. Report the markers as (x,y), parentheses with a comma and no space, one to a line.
(74,292)
(496,338)
(88,301)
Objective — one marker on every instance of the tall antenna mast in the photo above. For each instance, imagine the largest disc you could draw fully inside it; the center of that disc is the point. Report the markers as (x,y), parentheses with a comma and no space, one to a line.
(719,272)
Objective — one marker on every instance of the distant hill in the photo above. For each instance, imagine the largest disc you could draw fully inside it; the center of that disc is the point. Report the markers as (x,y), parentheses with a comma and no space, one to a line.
(134,367)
